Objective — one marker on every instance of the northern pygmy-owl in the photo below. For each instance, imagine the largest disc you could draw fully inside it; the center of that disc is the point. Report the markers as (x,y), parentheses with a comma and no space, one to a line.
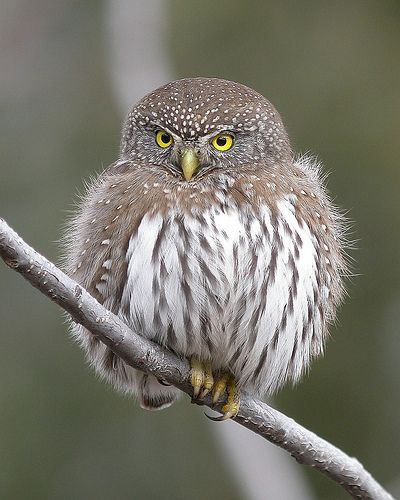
(208,236)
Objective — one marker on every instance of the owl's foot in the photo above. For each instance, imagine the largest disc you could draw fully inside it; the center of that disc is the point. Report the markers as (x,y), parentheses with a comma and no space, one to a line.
(201,378)
(203,382)
(232,405)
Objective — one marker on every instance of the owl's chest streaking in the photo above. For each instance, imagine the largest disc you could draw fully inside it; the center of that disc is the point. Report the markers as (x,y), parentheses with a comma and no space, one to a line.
(238,286)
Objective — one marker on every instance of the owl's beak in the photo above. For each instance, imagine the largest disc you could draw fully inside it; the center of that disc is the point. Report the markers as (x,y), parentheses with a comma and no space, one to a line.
(189,163)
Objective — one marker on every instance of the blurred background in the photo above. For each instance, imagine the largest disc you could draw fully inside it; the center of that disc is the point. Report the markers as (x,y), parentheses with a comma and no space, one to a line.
(69,72)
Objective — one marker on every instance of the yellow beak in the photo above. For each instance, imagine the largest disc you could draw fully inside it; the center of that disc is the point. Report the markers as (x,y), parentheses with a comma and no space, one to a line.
(189,163)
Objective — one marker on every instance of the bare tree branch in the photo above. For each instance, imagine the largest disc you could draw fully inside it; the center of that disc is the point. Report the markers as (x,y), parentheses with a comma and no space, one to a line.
(306,447)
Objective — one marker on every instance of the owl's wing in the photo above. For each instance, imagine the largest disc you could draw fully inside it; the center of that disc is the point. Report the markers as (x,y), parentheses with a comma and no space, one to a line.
(96,244)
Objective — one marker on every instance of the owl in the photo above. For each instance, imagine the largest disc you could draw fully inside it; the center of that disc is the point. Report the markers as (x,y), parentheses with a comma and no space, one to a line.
(209,237)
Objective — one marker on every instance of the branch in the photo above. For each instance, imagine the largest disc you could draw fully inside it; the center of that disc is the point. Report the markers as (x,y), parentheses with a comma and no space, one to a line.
(306,447)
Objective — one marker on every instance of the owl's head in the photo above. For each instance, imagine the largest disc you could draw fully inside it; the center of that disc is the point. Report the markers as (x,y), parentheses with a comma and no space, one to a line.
(196,126)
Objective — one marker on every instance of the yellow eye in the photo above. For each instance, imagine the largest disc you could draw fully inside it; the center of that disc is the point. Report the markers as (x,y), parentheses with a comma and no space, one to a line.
(222,142)
(164,139)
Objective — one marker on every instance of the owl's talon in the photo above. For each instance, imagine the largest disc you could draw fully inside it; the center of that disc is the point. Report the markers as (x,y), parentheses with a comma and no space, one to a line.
(203,393)
(202,379)
(163,382)
(197,376)
(220,387)
(208,382)
(221,418)
(215,419)
(232,405)
(203,382)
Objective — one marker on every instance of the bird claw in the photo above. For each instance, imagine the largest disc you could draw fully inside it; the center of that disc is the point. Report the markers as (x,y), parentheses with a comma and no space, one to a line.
(221,418)
(203,383)
(201,378)
(204,393)
(163,382)
(220,387)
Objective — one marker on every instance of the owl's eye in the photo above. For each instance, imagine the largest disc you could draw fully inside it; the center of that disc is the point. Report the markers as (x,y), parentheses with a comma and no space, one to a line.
(222,142)
(164,139)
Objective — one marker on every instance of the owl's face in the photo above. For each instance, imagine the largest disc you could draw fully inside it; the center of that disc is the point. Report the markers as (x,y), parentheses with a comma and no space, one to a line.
(195,127)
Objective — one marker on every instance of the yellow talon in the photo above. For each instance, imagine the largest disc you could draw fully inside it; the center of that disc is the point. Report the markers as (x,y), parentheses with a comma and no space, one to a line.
(197,376)
(231,408)
(208,380)
(202,381)
(220,387)
(232,405)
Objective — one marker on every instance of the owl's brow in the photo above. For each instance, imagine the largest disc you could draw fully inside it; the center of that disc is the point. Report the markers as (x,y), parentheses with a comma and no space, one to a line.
(153,127)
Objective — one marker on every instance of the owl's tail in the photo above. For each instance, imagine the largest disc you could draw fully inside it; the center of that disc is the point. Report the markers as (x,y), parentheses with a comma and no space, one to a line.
(151,393)
(155,395)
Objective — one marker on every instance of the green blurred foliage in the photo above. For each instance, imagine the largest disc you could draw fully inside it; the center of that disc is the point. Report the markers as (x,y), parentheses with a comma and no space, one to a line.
(331,69)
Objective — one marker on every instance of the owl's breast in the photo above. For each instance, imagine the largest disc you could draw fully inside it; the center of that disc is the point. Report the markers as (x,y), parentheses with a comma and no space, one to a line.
(187,273)
(232,285)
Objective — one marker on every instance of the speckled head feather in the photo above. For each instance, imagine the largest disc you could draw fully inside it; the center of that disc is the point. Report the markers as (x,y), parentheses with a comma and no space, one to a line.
(192,108)
(230,255)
